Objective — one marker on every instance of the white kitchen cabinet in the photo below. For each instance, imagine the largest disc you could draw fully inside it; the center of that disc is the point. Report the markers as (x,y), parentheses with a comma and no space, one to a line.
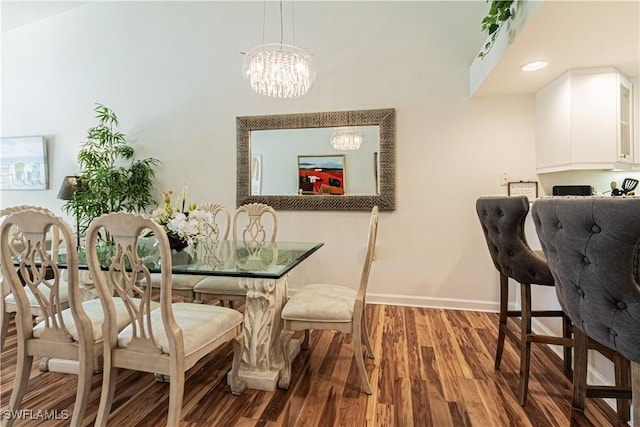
(584,120)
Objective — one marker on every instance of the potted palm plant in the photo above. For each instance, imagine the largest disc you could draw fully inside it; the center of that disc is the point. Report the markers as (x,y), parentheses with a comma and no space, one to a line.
(110,179)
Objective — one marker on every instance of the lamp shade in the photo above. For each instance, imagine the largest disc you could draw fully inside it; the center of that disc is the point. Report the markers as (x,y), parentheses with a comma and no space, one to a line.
(68,187)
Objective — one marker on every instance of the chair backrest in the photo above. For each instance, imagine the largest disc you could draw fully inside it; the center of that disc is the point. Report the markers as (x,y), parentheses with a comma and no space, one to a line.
(122,278)
(221,219)
(592,246)
(502,220)
(252,221)
(16,243)
(36,269)
(368,257)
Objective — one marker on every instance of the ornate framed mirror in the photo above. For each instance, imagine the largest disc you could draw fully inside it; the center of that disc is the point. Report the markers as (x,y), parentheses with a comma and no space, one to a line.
(339,160)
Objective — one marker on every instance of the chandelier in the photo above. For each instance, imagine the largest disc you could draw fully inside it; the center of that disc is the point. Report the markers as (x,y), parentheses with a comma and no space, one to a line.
(344,141)
(279,70)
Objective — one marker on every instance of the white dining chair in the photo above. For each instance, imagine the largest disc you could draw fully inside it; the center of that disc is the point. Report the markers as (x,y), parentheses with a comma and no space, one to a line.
(166,341)
(8,304)
(74,333)
(331,307)
(252,223)
(183,284)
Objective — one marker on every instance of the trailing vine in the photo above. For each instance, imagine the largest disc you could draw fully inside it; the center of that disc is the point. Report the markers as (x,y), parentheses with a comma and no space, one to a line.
(499,13)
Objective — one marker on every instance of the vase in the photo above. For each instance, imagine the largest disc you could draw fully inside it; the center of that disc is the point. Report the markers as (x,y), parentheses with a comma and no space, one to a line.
(177,244)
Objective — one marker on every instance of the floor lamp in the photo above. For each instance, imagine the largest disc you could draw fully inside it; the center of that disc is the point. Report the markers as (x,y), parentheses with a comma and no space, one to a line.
(66,192)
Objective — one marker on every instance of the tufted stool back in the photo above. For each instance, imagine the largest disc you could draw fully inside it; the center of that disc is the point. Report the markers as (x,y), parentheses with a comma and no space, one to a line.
(592,246)
(502,219)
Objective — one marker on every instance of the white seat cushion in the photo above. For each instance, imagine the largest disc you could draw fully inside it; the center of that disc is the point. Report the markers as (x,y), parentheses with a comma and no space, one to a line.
(200,325)
(63,295)
(321,303)
(93,308)
(178,281)
(220,285)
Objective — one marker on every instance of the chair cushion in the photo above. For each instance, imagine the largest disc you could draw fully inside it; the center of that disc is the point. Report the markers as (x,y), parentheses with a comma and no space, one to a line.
(200,324)
(63,295)
(321,303)
(178,281)
(93,308)
(220,285)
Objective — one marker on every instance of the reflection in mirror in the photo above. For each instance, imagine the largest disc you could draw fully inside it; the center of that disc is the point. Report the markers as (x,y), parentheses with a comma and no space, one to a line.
(276,168)
(292,161)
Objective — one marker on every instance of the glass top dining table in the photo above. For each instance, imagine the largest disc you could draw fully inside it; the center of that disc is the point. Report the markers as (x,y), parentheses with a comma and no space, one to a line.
(262,271)
(266,260)
(230,258)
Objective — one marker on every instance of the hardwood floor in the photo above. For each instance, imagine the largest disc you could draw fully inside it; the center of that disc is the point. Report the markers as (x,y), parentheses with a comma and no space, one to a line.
(432,368)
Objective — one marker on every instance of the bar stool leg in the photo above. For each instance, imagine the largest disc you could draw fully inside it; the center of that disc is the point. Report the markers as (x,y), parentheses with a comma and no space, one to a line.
(525,344)
(502,325)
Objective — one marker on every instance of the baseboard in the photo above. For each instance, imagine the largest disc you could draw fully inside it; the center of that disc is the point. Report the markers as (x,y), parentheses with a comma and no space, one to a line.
(432,302)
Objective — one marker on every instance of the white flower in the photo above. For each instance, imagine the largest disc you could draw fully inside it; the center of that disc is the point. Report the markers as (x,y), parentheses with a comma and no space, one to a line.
(193,228)
(161,216)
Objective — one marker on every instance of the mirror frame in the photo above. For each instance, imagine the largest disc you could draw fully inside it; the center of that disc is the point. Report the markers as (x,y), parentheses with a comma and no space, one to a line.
(385,118)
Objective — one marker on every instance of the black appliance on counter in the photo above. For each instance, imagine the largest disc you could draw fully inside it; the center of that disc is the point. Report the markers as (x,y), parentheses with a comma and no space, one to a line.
(572,190)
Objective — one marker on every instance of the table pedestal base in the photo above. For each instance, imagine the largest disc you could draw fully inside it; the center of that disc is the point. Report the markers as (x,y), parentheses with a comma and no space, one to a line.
(265,380)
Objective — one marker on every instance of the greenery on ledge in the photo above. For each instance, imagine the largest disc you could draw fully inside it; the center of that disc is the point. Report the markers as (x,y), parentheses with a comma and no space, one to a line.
(499,13)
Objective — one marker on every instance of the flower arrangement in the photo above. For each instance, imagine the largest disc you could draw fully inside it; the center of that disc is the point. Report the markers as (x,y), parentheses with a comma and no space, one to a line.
(191,226)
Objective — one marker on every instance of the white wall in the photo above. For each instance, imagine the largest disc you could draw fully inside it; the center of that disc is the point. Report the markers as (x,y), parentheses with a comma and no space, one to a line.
(171,71)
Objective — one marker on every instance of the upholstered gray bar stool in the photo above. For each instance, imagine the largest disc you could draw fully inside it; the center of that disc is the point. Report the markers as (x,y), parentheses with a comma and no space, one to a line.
(592,246)
(502,219)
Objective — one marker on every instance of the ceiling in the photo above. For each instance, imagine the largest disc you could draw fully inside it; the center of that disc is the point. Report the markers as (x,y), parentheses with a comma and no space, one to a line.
(568,34)
(18,13)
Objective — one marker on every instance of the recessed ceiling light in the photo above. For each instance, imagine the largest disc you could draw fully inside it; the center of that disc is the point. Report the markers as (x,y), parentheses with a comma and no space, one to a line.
(534,66)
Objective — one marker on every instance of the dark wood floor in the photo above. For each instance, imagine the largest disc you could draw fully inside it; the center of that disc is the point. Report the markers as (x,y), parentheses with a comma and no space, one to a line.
(432,368)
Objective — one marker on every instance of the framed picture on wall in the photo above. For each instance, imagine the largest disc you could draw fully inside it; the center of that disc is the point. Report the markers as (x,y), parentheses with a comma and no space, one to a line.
(23,163)
(523,188)
(321,175)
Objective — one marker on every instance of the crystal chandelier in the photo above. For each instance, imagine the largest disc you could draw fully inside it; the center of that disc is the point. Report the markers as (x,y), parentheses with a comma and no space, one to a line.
(279,70)
(344,141)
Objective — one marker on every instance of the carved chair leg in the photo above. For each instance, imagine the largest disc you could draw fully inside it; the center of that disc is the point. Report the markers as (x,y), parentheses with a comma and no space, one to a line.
(6,318)
(109,381)
(305,342)
(23,369)
(237,386)
(525,344)
(285,372)
(176,395)
(357,350)
(85,374)
(366,339)
(502,325)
